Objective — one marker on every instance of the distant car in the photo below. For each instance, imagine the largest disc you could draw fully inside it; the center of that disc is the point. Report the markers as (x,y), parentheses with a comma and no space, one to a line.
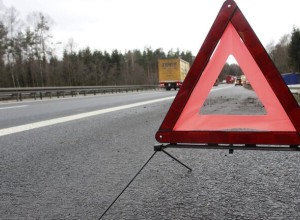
(238,82)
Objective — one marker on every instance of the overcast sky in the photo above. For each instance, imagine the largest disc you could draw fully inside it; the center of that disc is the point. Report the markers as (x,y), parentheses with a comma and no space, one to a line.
(134,24)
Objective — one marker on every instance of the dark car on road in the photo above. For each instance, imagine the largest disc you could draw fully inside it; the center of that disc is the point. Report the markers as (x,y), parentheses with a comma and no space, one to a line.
(238,81)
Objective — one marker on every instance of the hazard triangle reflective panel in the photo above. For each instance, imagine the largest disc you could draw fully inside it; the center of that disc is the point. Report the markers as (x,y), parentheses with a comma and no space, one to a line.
(231,34)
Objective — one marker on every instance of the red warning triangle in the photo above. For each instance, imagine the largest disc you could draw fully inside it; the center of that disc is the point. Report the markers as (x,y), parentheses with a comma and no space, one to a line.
(276,118)
(232,35)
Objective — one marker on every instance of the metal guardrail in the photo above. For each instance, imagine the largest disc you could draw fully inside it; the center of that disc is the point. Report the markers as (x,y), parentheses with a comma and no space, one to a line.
(295,88)
(41,92)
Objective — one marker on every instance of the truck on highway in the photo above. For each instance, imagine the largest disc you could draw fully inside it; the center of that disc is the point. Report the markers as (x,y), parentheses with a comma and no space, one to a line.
(230,79)
(172,72)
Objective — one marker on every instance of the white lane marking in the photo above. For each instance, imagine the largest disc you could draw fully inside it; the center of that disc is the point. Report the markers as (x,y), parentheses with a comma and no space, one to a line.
(19,106)
(16,129)
(216,89)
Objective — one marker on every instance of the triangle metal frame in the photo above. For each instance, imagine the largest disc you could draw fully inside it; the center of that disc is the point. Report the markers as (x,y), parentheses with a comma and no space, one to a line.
(230,12)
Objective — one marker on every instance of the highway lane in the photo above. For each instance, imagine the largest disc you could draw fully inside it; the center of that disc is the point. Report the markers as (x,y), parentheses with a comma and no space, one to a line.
(13,114)
(73,170)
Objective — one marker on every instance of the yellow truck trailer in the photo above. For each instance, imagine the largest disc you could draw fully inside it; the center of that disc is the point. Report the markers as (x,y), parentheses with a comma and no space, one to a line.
(172,72)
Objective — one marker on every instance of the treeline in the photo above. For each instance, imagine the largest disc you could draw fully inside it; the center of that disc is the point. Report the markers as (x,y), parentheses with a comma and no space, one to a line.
(89,68)
(102,68)
(285,55)
(28,57)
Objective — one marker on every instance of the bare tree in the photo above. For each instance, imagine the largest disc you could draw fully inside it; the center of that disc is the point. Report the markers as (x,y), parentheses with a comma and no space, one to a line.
(41,28)
(279,53)
(71,46)
(13,25)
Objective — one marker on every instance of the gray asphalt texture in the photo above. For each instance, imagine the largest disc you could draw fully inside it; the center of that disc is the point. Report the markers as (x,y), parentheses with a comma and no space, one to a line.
(69,171)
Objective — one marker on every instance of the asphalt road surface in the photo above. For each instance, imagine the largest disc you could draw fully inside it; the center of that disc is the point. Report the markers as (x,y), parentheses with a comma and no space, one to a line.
(54,166)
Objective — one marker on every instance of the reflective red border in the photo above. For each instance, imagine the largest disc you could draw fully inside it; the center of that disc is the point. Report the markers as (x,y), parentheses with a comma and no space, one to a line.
(230,12)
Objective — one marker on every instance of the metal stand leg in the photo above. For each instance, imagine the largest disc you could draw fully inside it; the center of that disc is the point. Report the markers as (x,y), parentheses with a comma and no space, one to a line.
(156,149)
(161,148)
(127,185)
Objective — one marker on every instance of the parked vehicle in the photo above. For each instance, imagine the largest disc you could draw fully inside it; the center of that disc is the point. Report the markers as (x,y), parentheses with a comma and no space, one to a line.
(238,81)
(230,79)
(291,78)
(172,72)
